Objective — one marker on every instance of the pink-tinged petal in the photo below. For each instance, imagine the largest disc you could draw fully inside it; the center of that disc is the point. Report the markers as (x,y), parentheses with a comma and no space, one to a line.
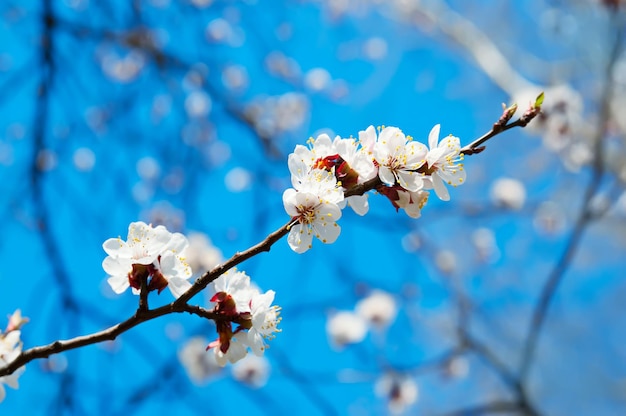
(118,283)
(433,137)
(359,204)
(386,175)
(368,138)
(440,188)
(178,286)
(397,143)
(381,153)
(328,233)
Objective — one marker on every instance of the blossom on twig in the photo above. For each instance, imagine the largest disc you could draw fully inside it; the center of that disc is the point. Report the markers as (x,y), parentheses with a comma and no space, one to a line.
(150,254)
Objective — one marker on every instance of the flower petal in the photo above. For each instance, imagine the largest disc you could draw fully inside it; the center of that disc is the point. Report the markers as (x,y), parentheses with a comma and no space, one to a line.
(178,286)
(300,238)
(118,283)
(433,137)
(359,204)
(440,188)
(386,175)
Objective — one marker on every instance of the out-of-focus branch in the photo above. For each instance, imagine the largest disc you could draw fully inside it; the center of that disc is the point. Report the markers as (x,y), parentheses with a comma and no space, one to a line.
(491,408)
(584,219)
(486,54)
(139,38)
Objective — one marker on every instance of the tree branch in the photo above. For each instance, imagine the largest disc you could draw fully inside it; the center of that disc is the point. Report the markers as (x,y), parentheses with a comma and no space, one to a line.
(586,215)
(180,305)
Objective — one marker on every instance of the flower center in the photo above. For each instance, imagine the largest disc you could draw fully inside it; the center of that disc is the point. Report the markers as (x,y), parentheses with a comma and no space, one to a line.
(307,214)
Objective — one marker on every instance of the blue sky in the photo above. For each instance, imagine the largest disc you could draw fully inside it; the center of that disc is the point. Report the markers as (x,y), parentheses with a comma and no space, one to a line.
(184,113)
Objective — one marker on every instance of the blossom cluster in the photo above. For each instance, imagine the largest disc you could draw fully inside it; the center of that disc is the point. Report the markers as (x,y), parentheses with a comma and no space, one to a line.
(238,302)
(153,258)
(10,349)
(149,255)
(323,171)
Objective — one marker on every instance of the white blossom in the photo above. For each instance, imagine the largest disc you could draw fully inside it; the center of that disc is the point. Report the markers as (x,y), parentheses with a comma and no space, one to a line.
(240,303)
(10,349)
(443,163)
(147,251)
(412,202)
(401,392)
(237,285)
(362,163)
(265,320)
(314,210)
(237,349)
(399,160)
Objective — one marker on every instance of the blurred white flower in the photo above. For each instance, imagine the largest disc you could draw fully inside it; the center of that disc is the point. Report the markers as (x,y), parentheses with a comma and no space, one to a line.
(443,164)
(549,218)
(457,367)
(445,260)
(199,365)
(252,370)
(400,392)
(508,193)
(485,243)
(346,328)
(201,254)
(317,79)
(379,309)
